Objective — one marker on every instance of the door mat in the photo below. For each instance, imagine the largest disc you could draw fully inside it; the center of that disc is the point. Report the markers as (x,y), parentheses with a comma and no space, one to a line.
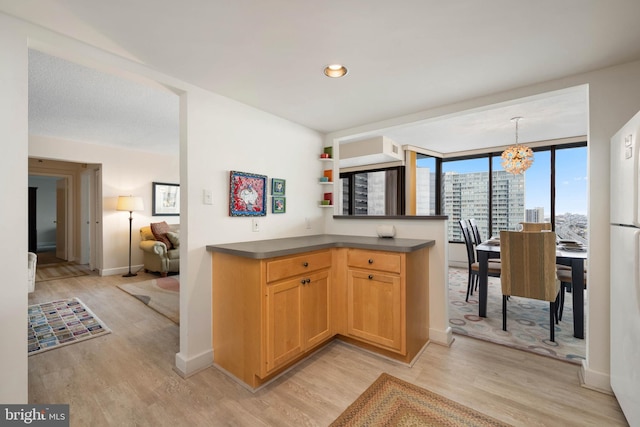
(62,322)
(390,401)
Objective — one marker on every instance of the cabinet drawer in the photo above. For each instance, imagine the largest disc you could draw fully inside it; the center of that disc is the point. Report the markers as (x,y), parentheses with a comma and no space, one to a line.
(374,260)
(299,264)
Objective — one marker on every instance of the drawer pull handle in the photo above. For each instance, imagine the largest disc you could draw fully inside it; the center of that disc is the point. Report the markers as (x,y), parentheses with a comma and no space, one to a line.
(370,261)
(303,281)
(305,264)
(370,276)
(308,280)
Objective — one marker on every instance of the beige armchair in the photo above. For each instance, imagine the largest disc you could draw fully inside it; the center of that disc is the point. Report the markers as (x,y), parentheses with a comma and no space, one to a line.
(156,256)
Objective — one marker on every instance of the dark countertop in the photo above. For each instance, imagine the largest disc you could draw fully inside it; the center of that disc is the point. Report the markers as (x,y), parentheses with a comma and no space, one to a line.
(261,249)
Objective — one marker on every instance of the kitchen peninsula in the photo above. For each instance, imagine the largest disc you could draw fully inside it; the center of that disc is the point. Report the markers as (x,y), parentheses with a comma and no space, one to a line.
(277,301)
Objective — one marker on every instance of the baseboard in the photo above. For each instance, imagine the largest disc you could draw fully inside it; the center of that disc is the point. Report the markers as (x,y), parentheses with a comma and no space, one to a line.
(185,367)
(593,380)
(120,270)
(440,337)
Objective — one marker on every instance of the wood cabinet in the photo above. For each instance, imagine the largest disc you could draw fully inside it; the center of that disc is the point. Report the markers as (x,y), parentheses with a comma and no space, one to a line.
(376,298)
(271,313)
(297,308)
(267,314)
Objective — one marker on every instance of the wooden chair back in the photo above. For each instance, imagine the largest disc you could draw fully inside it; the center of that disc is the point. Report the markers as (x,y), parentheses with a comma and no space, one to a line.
(529,265)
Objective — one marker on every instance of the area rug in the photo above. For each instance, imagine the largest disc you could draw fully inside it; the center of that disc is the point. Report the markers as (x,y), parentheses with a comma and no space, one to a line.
(161,294)
(62,322)
(527,321)
(61,270)
(390,401)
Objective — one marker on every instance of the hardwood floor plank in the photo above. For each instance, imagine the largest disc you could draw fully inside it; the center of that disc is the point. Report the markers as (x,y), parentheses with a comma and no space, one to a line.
(126,378)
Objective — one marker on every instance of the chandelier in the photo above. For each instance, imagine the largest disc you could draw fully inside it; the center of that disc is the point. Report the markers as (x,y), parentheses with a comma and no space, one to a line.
(517,158)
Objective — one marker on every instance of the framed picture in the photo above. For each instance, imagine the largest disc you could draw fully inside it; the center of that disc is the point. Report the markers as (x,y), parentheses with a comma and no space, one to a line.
(278,205)
(166,199)
(277,187)
(247,194)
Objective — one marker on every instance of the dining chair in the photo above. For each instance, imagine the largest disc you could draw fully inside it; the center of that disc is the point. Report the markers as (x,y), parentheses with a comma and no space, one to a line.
(536,226)
(564,275)
(529,271)
(474,267)
(475,232)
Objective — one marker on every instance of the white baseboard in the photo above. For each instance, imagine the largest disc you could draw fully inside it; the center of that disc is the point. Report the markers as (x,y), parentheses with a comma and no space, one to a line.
(185,367)
(120,270)
(441,337)
(593,380)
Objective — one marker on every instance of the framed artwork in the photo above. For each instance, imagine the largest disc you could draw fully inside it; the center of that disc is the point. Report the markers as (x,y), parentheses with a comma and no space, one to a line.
(166,199)
(277,187)
(247,194)
(278,205)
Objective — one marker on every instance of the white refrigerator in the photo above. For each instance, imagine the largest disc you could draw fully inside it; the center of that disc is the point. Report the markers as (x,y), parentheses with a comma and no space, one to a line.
(625,268)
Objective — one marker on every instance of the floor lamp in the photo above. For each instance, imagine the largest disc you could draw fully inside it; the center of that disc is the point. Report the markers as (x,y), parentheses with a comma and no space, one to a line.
(130,203)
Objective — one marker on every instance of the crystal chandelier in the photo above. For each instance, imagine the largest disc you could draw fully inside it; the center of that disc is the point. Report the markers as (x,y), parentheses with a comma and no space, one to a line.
(517,158)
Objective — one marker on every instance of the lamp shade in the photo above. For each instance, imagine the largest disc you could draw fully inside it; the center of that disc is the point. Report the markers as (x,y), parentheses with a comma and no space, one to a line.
(129,204)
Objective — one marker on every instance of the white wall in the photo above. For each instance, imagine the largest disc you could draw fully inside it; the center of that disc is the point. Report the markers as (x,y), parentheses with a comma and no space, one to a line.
(124,172)
(614,97)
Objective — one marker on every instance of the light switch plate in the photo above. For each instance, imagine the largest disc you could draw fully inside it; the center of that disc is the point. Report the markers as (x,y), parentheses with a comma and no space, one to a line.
(207,197)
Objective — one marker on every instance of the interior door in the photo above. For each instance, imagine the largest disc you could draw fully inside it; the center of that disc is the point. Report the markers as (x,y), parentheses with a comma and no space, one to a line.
(61,219)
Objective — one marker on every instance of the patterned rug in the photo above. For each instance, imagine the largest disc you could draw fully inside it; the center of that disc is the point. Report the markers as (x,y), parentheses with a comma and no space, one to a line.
(57,323)
(61,270)
(527,321)
(390,401)
(161,294)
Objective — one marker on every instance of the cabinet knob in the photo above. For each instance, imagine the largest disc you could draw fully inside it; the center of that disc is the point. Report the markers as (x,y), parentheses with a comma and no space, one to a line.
(370,276)
(303,281)
(305,264)
(308,280)
(370,261)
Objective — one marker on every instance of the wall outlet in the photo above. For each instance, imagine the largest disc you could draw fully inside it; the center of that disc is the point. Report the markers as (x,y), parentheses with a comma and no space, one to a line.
(255,226)
(307,222)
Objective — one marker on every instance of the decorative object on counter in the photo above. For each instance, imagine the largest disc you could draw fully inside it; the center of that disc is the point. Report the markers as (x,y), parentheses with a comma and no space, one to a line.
(165,199)
(324,202)
(324,156)
(247,194)
(130,204)
(324,179)
(386,231)
(392,401)
(278,187)
(329,174)
(278,205)
(517,158)
(329,151)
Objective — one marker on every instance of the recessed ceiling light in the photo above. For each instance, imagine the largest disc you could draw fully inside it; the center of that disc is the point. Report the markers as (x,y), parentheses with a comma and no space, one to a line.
(335,70)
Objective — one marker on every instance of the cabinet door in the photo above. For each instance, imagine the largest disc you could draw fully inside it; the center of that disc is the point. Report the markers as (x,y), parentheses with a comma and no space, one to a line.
(283,332)
(315,309)
(375,308)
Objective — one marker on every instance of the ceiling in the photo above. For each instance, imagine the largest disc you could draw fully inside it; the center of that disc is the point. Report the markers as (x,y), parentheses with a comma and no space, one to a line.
(403,57)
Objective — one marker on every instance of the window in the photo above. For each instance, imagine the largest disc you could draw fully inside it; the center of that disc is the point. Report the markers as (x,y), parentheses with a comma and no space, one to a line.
(376,192)
(465,194)
(426,185)
(553,189)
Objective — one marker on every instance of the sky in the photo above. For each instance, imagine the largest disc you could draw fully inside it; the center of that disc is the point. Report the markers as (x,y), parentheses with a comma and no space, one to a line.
(571,179)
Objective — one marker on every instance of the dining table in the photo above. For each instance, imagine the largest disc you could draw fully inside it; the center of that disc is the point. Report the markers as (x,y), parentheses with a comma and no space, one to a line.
(573,257)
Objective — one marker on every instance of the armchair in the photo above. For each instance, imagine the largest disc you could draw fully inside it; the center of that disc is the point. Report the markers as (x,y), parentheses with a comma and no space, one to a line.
(157,257)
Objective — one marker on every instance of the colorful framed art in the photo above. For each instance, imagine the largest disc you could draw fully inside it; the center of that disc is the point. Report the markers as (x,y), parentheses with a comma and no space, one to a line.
(278,205)
(278,186)
(247,194)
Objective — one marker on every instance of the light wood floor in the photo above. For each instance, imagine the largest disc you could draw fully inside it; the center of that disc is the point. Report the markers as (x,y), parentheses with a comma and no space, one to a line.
(126,378)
